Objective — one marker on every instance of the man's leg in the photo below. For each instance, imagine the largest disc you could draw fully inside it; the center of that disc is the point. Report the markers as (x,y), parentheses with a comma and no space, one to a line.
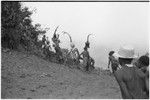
(87,65)
(113,70)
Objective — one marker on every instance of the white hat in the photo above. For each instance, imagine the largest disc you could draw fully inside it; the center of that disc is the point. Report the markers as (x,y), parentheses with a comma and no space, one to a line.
(126,52)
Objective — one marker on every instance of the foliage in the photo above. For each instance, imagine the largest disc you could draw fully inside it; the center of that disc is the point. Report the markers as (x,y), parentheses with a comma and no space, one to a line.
(17,26)
(17,30)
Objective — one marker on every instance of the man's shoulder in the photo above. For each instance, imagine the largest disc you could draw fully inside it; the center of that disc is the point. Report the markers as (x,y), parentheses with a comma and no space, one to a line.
(123,74)
(119,75)
(140,73)
(119,71)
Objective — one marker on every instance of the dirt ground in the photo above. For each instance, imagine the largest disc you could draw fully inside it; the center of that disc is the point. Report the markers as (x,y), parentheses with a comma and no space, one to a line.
(30,77)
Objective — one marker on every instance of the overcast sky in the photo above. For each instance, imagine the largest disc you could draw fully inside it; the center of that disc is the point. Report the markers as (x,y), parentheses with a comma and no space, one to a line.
(112,24)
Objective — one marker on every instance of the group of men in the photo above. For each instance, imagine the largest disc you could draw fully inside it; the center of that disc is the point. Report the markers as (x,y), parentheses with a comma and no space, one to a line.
(73,54)
(131,72)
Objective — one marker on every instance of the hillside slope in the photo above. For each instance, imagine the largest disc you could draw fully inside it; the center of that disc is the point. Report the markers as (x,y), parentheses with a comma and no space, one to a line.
(32,77)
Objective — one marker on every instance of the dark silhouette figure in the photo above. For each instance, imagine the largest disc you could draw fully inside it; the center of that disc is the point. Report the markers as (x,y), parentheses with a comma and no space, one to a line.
(113,61)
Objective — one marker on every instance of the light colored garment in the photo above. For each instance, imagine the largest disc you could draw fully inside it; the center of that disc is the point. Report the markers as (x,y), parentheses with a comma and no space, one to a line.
(119,67)
(129,65)
(73,53)
(110,69)
(85,61)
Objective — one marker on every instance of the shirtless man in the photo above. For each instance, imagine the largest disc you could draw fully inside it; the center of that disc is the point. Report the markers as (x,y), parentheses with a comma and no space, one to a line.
(129,76)
(85,57)
(143,65)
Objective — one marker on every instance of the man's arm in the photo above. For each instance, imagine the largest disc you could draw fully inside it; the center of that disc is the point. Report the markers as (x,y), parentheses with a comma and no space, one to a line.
(124,91)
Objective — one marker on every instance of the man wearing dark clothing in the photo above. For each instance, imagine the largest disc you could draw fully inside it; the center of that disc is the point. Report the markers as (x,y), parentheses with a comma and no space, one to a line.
(113,61)
(85,56)
(43,39)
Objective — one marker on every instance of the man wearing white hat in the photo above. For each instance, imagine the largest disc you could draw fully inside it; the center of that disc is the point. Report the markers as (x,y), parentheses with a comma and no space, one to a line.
(128,76)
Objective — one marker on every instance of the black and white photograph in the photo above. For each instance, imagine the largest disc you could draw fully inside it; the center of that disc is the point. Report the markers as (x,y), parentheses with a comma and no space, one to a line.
(75,49)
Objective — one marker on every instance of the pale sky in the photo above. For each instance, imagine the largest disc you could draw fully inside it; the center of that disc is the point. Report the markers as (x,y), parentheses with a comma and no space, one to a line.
(112,24)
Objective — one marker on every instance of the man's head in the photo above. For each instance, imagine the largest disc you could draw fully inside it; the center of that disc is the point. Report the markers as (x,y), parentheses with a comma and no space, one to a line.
(87,44)
(147,54)
(143,61)
(111,53)
(54,36)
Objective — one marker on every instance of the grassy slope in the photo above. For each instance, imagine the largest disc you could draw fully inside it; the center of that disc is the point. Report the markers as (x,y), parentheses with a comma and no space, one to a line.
(33,77)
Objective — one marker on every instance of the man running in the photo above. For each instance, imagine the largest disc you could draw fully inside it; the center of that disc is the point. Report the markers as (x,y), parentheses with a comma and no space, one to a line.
(113,61)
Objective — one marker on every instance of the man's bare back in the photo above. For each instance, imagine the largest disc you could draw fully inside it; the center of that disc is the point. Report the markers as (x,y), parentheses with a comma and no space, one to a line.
(130,80)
